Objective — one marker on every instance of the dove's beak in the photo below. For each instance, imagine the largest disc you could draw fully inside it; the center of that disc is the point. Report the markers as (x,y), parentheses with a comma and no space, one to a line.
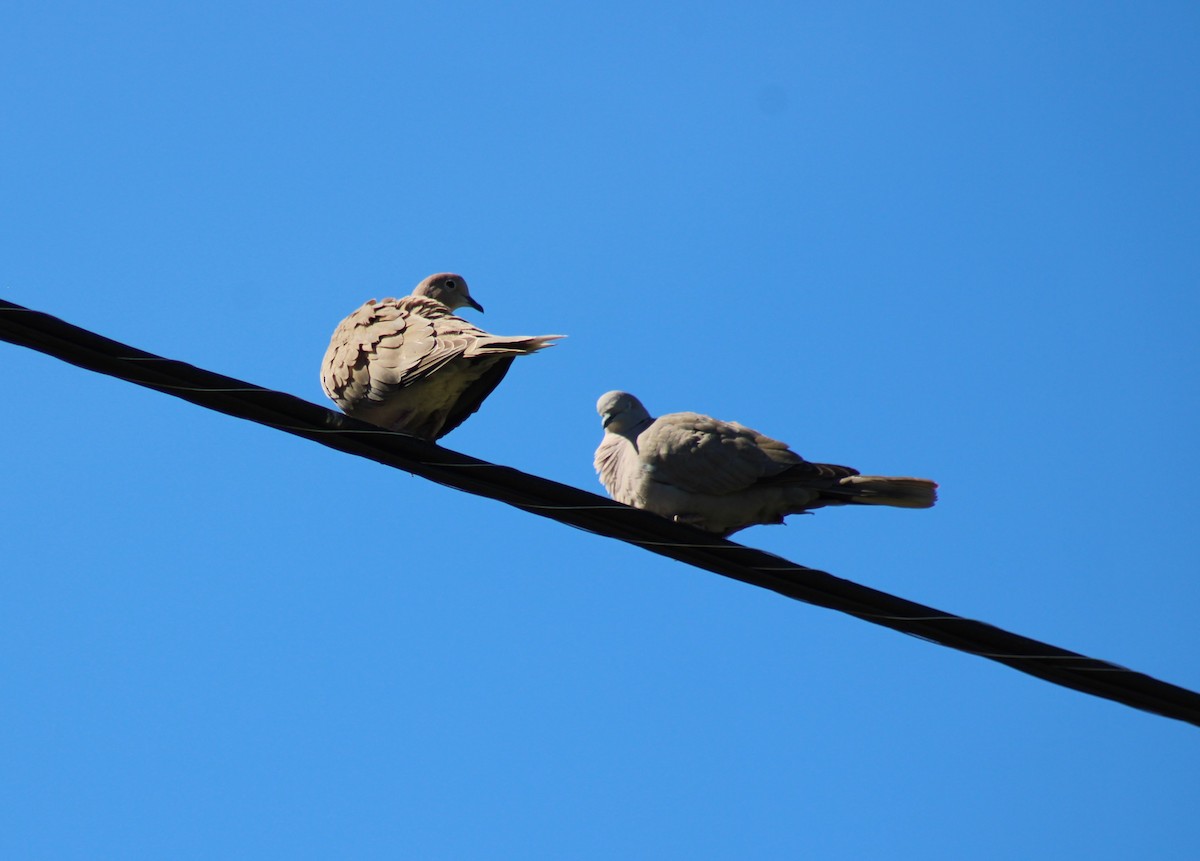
(474,304)
(606,420)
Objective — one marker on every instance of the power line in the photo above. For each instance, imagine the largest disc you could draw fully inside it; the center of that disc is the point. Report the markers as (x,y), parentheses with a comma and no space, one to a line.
(590,512)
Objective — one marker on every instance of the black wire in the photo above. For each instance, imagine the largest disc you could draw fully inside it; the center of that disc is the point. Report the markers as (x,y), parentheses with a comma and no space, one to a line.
(591,512)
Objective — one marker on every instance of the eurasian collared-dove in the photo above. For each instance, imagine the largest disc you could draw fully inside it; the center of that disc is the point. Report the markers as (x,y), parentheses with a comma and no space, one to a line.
(723,476)
(410,365)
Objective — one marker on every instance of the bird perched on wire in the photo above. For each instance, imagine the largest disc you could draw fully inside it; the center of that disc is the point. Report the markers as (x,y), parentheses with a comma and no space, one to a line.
(722,476)
(411,365)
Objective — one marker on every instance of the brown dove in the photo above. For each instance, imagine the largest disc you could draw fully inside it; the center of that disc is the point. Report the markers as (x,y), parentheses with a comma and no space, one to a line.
(411,365)
(722,476)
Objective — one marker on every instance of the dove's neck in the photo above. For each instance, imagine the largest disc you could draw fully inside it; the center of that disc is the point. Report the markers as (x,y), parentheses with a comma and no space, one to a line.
(630,432)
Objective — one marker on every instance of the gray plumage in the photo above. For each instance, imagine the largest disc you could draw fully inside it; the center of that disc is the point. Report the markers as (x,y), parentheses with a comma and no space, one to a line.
(411,365)
(722,476)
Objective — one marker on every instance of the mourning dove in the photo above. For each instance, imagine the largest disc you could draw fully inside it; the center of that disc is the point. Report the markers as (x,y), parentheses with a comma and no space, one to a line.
(411,365)
(722,476)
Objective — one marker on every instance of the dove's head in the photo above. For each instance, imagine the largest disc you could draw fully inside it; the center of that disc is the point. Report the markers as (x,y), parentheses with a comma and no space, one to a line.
(449,289)
(621,412)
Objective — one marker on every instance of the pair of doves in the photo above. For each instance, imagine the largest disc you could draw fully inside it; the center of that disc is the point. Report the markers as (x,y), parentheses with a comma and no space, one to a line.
(410,365)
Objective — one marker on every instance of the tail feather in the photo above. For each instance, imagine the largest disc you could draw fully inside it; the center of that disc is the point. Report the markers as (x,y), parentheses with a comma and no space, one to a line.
(511,344)
(901,492)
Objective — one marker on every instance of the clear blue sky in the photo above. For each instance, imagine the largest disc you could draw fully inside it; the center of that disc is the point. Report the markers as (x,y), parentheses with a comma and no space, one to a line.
(947,239)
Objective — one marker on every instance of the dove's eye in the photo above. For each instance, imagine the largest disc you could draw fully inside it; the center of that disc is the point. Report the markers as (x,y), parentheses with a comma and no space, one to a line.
(451,284)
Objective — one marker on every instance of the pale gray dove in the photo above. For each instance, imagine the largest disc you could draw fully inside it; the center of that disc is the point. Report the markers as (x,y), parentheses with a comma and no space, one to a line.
(722,476)
(410,365)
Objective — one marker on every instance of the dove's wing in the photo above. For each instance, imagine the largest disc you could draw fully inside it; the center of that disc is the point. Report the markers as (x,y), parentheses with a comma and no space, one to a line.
(700,454)
(346,368)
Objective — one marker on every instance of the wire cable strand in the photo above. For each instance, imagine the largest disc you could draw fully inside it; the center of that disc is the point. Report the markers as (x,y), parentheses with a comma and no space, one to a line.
(590,512)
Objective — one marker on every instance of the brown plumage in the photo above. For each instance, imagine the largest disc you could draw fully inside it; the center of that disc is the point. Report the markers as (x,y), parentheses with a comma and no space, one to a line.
(411,365)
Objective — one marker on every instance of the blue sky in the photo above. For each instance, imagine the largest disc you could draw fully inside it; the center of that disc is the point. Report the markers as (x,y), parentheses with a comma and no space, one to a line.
(953,240)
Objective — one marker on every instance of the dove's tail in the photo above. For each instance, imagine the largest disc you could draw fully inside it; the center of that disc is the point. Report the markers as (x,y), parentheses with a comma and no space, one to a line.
(511,344)
(885,490)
